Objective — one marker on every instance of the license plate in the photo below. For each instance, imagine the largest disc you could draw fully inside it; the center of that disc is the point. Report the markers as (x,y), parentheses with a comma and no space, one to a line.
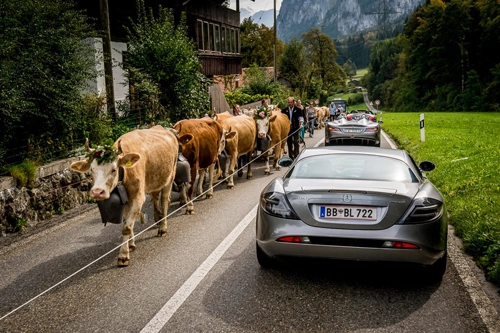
(352,131)
(348,212)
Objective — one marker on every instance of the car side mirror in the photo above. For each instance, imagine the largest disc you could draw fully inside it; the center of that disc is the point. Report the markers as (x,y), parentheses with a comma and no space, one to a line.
(285,161)
(427,166)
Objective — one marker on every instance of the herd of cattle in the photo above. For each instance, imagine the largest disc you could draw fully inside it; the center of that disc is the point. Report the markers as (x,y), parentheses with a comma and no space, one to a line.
(145,162)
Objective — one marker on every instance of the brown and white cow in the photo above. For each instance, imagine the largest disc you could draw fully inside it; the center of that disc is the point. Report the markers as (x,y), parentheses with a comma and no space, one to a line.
(202,140)
(277,126)
(321,113)
(242,142)
(148,158)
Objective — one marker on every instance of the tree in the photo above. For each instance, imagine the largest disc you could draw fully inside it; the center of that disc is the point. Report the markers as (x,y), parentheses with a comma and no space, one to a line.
(45,63)
(257,44)
(349,68)
(321,55)
(163,51)
(294,67)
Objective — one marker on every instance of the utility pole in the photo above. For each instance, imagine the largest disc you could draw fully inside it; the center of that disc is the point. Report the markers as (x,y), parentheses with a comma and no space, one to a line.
(108,60)
(275,29)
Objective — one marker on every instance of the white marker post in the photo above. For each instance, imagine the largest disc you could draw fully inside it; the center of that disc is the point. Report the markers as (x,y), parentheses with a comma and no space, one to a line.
(422,128)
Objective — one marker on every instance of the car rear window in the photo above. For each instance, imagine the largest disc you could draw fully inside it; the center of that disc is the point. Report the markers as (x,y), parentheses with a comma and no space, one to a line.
(353,166)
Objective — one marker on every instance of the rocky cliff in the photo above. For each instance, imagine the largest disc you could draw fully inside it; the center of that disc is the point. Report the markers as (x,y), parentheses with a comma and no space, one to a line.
(339,18)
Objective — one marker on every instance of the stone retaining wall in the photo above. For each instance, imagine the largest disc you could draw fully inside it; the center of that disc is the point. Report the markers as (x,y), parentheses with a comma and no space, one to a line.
(55,190)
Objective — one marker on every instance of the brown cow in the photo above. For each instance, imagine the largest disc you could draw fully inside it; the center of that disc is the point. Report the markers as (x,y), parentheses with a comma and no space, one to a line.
(277,127)
(241,143)
(148,158)
(202,140)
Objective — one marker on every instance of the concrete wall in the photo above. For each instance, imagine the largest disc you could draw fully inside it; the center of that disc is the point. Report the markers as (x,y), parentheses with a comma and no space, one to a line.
(120,84)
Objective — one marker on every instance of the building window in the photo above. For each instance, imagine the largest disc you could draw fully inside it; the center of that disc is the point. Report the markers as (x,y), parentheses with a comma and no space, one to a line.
(233,41)
(237,41)
(217,38)
(223,40)
(212,36)
(206,37)
(200,35)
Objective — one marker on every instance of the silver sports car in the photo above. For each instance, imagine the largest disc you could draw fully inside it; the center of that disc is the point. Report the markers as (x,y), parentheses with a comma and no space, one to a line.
(353,203)
(358,128)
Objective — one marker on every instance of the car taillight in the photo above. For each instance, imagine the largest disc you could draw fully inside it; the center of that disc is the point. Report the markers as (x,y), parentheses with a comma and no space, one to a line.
(425,210)
(399,245)
(294,239)
(276,204)
(373,129)
(333,129)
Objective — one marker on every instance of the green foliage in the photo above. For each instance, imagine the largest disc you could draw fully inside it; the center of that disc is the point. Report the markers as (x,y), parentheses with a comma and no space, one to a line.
(460,146)
(444,61)
(165,55)
(294,67)
(45,63)
(349,68)
(24,172)
(321,55)
(257,44)
(240,98)
(20,225)
(258,81)
(96,123)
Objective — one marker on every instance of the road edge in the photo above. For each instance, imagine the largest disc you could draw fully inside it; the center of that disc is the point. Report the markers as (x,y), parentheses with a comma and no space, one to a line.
(484,305)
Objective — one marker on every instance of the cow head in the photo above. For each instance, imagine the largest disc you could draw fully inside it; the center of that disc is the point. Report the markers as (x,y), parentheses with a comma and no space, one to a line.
(104,164)
(263,125)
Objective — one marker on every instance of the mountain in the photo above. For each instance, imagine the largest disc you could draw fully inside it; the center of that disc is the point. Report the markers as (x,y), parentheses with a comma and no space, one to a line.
(245,13)
(339,18)
(265,17)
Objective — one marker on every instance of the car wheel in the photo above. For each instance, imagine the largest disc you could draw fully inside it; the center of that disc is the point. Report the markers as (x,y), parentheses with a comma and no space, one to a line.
(435,272)
(264,260)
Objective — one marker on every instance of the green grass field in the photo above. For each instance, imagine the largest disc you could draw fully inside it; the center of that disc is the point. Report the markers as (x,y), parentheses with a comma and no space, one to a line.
(463,147)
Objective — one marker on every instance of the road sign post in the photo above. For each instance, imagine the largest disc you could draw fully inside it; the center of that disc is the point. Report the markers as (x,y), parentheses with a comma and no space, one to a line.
(422,128)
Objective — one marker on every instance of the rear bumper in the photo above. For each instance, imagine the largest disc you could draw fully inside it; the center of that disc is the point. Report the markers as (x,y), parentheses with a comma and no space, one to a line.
(358,139)
(358,245)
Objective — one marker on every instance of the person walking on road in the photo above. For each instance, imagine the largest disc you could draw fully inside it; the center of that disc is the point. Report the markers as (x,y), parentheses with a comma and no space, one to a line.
(296,117)
(311,119)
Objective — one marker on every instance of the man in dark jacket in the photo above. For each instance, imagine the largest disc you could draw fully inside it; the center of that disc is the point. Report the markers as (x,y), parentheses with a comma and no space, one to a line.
(296,117)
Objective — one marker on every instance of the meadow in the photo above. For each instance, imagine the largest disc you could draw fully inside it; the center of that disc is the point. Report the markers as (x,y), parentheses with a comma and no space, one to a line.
(463,147)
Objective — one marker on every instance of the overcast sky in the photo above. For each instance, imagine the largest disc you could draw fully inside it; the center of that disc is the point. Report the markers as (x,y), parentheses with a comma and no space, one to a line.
(257,5)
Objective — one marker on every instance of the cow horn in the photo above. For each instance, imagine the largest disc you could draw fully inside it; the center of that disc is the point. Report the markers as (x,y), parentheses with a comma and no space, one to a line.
(87,148)
(119,147)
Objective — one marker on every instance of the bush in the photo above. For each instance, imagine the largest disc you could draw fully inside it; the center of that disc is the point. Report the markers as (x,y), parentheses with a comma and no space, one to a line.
(45,63)
(163,52)
(24,172)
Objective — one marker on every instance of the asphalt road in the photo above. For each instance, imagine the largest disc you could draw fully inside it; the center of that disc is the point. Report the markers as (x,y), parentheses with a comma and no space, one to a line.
(204,277)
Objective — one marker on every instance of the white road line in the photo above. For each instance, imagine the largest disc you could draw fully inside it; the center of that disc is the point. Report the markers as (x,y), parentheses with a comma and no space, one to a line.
(169,309)
(389,140)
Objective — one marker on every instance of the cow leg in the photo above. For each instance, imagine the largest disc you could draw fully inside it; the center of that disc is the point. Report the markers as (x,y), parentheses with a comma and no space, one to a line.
(190,205)
(233,158)
(182,194)
(131,214)
(166,198)
(249,168)
(210,193)
(156,205)
(241,162)
(267,170)
(277,156)
(201,181)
